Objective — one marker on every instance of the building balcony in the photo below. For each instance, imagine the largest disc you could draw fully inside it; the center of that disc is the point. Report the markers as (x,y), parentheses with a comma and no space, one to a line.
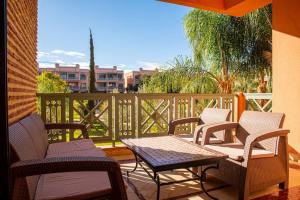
(101,89)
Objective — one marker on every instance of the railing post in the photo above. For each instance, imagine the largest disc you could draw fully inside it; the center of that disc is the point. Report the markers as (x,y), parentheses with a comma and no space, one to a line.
(241,105)
(43,108)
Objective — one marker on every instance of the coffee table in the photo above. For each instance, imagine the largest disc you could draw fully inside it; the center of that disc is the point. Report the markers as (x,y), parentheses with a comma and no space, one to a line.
(170,153)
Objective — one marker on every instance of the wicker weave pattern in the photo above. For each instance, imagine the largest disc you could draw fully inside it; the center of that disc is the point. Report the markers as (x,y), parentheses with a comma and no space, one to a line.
(258,123)
(209,116)
(31,163)
(260,130)
(22,144)
(38,135)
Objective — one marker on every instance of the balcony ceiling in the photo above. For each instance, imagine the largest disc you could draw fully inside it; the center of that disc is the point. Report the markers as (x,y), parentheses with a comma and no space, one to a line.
(228,7)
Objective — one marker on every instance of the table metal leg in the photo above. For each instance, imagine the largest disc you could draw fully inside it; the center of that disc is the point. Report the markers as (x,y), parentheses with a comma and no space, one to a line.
(203,178)
(135,167)
(158,187)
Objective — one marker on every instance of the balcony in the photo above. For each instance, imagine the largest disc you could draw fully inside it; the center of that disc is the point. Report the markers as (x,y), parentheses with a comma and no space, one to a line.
(116,116)
(101,89)
(128,115)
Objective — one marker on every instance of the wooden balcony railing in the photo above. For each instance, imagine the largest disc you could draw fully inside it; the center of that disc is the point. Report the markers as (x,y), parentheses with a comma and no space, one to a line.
(115,116)
(259,101)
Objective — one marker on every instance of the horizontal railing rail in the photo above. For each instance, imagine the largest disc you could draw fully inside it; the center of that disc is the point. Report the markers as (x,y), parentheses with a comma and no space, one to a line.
(259,101)
(111,116)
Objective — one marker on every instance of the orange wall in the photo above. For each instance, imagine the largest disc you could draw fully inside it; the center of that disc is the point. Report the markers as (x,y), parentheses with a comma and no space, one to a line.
(286,65)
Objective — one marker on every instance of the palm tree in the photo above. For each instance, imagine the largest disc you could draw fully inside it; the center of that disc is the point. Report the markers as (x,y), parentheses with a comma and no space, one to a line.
(259,36)
(217,41)
(225,46)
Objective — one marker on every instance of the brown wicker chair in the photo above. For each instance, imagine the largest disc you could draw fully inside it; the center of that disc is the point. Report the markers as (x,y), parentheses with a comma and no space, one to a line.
(259,158)
(65,170)
(209,116)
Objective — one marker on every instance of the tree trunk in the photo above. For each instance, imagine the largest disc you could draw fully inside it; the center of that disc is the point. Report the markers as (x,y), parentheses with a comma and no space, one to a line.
(262,87)
(226,84)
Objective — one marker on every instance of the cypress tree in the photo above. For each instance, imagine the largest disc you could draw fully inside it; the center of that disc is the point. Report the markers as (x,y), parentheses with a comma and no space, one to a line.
(92,87)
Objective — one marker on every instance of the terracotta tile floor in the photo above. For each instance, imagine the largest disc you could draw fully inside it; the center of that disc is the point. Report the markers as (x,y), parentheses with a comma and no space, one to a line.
(290,194)
(143,190)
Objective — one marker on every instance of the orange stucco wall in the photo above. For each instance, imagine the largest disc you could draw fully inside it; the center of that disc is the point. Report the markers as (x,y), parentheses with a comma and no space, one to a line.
(286,65)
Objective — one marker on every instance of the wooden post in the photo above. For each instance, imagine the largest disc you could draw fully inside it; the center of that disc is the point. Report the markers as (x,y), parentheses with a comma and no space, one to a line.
(241,105)
(4,144)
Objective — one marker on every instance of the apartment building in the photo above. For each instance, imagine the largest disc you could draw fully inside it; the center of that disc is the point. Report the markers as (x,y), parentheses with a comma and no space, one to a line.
(107,79)
(134,78)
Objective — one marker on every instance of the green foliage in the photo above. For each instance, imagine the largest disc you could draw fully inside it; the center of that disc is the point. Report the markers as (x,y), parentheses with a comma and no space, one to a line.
(216,39)
(51,83)
(179,76)
(227,47)
(92,81)
(258,39)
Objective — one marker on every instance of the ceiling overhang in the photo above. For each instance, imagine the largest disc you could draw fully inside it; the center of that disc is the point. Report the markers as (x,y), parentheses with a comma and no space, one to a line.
(228,7)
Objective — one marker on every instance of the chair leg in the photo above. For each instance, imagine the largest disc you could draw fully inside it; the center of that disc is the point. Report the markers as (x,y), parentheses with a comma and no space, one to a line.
(283,185)
(243,194)
(243,186)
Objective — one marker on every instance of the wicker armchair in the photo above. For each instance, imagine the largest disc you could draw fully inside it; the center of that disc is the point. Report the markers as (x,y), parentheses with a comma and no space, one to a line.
(65,170)
(259,157)
(209,116)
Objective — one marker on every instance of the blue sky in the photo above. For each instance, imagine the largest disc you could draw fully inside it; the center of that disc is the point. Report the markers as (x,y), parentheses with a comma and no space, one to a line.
(127,33)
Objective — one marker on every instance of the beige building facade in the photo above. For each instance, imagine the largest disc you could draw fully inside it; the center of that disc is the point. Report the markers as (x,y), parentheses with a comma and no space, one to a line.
(107,79)
(134,78)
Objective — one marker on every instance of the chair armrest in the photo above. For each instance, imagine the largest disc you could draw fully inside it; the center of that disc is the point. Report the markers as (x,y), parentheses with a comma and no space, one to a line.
(198,131)
(74,126)
(208,130)
(253,139)
(73,164)
(174,123)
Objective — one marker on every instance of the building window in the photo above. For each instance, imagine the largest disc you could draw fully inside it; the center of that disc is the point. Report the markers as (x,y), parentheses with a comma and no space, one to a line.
(71,76)
(120,76)
(101,85)
(111,84)
(110,76)
(83,85)
(82,77)
(63,75)
(101,76)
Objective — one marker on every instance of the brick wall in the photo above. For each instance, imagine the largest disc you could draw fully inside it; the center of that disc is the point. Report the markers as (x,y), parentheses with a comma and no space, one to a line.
(22,64)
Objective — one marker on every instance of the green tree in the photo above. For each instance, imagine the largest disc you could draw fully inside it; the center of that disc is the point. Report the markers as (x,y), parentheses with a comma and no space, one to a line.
(259,36)
(92,81)
(179,76)
(51,83)
(217,42)
(226,46)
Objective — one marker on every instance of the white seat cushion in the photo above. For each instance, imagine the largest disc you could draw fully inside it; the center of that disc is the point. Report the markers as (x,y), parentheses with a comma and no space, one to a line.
(235,151)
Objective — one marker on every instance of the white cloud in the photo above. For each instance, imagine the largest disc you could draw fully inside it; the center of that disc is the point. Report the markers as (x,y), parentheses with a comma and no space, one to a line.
(41,54)
(46,65)
(67,58)
(68,53)
(83,65)
(59,61)
(148,65)
(121,66)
